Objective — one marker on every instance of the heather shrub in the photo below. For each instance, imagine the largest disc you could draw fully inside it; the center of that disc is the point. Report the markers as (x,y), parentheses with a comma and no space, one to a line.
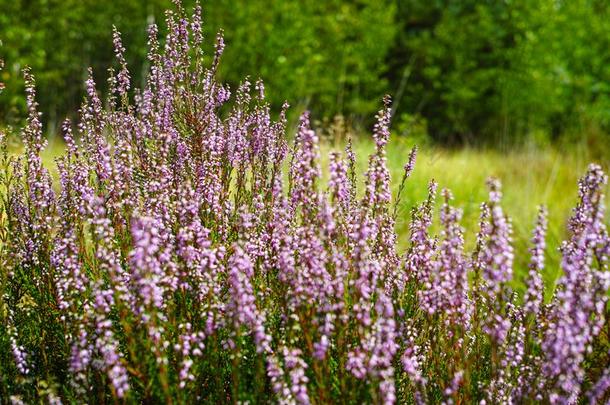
(188,252)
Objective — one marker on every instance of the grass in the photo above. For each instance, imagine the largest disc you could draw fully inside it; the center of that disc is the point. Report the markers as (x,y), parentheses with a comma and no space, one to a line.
(530,177)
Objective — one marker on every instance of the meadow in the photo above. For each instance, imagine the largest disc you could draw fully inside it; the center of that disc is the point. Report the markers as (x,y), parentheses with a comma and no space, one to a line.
(183,244)
(531,177)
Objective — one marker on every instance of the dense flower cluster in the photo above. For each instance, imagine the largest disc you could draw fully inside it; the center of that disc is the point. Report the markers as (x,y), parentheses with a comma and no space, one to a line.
(188,252)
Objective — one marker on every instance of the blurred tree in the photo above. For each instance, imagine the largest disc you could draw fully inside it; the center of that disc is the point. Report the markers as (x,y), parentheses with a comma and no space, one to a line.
(501,71)
(459,54)
(60,39)
(468,70)
(327,56)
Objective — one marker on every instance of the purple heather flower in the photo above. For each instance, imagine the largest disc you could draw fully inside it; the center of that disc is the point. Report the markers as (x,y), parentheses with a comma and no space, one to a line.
(186,234)
(534,296)
(304,170)
(242,306)
(122,79)
(296,371)
(71,281)
(601,387)
(418,260)
(20,356)
(498,254)
(446,289)
(580,299)
(339,183)
(377,193)
(412,358)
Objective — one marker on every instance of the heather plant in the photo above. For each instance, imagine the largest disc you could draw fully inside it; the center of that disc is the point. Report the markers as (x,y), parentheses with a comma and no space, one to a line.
(189,252)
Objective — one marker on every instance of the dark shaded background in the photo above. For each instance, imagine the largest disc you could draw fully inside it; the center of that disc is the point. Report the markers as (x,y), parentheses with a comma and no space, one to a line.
(474,72)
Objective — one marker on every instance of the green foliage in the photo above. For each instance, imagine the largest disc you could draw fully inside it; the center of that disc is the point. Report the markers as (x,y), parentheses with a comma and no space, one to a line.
(495,72)
(59,40)
(326,56)
(502,70)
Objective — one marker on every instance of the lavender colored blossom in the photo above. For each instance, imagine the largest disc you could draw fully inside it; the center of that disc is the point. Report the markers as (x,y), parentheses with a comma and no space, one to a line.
(580,298)
(446,289)
(534,296)
(186,253)
(122,79)
(298,380)
(20,356)
(601,388)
